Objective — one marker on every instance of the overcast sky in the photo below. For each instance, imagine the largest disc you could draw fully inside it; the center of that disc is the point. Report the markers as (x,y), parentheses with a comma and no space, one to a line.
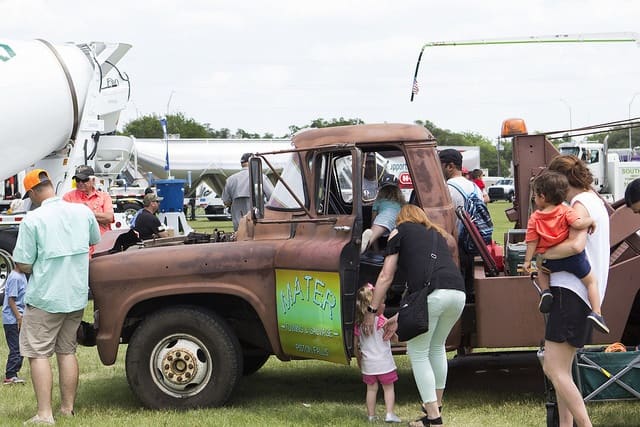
(264,65)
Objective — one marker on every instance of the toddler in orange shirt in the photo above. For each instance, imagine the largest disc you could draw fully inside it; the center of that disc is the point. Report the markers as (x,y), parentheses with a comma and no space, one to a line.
(548,226)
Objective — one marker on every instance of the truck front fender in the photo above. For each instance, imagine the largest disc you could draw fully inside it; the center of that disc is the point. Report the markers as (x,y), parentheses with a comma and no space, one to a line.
(127,290)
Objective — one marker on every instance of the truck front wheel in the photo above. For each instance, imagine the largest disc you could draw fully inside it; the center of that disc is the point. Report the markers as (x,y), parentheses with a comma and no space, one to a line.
(183,358)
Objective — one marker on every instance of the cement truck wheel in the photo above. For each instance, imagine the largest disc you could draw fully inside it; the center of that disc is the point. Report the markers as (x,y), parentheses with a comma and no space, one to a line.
(7,243)
(183,358)
(129,210)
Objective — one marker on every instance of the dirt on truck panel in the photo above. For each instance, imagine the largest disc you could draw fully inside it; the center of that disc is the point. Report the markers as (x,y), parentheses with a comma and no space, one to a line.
(197,317)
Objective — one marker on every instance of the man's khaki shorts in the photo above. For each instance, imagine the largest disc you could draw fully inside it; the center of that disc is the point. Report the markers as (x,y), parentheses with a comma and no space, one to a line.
(43,333)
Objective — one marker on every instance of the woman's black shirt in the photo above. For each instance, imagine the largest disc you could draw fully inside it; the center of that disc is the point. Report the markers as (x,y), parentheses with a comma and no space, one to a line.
(412,244)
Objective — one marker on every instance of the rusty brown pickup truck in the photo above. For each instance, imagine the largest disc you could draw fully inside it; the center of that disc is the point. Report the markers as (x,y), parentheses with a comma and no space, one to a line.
(197,317)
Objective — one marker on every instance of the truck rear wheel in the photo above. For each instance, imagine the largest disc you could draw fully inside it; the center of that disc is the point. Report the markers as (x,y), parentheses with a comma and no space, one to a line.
(183,358)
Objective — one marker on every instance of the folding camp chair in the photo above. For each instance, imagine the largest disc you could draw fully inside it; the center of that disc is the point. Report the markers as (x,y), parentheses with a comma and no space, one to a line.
(602,376)
(490,265)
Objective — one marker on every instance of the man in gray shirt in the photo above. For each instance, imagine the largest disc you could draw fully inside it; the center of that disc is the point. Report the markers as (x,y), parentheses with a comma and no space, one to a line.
(237,191)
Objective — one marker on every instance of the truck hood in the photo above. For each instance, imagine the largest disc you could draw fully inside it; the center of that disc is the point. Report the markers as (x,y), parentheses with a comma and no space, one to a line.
(180,263)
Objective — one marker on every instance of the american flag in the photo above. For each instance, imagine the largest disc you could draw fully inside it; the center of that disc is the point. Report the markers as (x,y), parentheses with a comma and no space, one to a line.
(415,89)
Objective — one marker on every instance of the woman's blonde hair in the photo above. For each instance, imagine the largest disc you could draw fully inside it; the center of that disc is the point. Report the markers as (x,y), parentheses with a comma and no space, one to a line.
(412,213)
(391,192)
(363,300)
(576,171)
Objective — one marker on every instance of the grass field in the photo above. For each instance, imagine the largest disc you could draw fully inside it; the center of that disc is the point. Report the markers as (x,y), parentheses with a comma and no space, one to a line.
(482,390)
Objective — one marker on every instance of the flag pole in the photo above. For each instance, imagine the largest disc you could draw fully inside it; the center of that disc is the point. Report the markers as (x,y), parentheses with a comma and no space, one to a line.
(163,123)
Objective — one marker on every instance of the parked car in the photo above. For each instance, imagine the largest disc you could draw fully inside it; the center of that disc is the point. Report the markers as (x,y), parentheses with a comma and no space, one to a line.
(214,208)
(503,189)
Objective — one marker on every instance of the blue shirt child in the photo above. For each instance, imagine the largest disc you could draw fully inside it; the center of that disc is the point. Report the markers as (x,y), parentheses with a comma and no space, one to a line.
(16,286)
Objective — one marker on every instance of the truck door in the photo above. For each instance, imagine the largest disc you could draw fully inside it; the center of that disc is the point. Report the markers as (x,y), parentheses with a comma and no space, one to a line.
(316,270)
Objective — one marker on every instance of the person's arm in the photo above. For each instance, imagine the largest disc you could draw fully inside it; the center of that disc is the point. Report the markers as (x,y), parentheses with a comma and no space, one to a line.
(584,224)
(159,228)
(528,256)
(105,217)
(25,268)
(226,192)
(14,309)
(383,283)
(356,348)
(576,241)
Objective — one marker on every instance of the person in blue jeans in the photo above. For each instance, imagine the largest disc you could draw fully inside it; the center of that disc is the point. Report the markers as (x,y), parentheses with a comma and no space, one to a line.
(12,309)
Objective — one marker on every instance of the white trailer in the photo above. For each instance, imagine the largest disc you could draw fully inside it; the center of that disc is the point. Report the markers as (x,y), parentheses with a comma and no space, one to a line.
(612,170)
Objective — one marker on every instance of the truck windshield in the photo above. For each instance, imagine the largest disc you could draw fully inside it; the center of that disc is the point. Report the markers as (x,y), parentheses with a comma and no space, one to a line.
(575,151)
(281,199)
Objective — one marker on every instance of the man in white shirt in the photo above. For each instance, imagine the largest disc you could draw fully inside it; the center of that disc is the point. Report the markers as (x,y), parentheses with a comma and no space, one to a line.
(451,162)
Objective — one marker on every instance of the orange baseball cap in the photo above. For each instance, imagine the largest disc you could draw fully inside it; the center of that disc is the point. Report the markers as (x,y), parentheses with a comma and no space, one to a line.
(33,178)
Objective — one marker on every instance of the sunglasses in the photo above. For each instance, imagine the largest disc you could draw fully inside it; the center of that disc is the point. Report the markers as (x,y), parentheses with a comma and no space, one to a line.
(82,180)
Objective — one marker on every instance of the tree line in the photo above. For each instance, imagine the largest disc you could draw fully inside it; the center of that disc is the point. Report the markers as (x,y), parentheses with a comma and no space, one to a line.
(149,126)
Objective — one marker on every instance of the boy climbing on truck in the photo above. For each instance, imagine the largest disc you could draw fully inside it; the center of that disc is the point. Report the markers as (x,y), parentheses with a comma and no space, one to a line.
(548,226)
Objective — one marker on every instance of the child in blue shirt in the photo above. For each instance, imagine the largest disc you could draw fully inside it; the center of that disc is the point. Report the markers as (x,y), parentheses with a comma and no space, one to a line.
(12,309)
(385,210)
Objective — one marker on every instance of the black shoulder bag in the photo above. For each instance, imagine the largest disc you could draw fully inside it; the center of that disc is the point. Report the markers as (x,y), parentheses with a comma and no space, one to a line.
(413,316)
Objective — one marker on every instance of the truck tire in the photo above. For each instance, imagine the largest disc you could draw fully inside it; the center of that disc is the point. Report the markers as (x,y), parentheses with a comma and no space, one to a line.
(129,210)
(210,210)
(7,243)
(161,354)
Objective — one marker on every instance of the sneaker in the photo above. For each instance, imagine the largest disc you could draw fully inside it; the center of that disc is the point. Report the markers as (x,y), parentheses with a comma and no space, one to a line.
(598,322)
(13,380)
(373,418)
(39,420)
(392,418)
(546,300)
(366,238)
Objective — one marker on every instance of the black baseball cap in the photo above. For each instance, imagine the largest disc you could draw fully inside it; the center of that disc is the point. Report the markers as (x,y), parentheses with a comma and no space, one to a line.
(83,172)
(451,155)
(245,157)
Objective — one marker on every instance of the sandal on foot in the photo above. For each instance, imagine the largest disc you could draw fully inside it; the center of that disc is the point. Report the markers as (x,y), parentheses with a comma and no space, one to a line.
(39,420)
(426,421)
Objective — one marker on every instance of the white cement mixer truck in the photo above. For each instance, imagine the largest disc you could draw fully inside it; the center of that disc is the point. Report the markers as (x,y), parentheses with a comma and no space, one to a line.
(59,107)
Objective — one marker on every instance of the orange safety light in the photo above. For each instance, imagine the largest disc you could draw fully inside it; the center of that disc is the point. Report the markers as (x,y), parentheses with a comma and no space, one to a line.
(513,127)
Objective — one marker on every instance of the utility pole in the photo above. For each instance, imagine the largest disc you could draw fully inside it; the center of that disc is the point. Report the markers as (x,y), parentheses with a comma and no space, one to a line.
(631,102)
(498,155)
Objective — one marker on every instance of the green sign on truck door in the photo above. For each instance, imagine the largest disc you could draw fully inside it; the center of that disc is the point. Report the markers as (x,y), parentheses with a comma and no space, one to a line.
(310,314)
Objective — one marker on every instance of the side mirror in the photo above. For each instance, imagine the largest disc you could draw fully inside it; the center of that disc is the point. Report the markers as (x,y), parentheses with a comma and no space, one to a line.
(257,192)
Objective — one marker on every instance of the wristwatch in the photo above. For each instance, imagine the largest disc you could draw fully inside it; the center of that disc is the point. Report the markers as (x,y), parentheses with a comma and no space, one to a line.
(371,309)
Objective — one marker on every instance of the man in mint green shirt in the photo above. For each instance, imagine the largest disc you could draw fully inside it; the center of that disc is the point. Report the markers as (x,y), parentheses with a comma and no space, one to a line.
(53,245)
